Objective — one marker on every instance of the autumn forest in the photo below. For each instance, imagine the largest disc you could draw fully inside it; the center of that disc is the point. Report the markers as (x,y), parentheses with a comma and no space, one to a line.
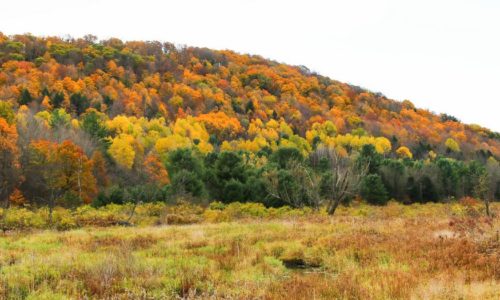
(84,121)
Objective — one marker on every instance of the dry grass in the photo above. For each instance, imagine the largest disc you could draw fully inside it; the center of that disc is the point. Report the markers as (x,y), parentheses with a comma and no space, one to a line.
(394,252)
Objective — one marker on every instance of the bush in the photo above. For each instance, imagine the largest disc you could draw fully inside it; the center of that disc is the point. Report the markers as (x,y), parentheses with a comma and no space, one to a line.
(219,212)
(471,206)
(22,218)
(182,213)
(109,215)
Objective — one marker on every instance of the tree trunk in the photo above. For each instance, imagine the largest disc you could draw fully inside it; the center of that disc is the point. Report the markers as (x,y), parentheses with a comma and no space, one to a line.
(333,207)
(5,207)
(51,207)
(132,213)
(420,192)
(487,206)
(80,180)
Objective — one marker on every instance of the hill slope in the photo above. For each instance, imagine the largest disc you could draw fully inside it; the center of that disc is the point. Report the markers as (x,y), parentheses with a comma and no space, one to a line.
(128,105)
(153,79)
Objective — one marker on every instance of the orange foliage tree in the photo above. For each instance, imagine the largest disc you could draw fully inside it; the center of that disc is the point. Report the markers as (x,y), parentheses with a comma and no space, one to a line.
(222,125)
(9,160)
(63,170)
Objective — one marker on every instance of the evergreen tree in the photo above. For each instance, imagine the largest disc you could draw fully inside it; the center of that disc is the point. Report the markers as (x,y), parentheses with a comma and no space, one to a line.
(373,190)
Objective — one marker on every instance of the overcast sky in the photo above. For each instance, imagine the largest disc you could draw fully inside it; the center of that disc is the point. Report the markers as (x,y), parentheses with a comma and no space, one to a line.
(443,55)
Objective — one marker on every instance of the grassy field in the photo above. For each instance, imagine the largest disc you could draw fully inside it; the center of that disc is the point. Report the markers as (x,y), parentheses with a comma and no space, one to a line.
(433,251)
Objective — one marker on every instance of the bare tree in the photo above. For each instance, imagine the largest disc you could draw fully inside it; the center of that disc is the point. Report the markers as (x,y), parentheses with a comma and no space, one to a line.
(298,185)
(482,190)
(489,183)
(32,129)
(345,177)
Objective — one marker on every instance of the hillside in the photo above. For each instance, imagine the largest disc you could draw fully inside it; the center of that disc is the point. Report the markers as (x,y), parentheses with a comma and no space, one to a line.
(81,117)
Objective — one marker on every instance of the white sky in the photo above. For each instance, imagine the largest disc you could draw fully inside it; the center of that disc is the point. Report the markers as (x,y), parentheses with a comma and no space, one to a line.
(443,55)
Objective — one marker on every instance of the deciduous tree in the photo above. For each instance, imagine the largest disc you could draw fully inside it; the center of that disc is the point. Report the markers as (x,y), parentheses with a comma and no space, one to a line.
(9,161)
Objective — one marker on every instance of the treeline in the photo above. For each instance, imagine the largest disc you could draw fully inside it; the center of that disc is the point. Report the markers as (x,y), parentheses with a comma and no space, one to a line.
(45,166)
(289,178)
(52,159)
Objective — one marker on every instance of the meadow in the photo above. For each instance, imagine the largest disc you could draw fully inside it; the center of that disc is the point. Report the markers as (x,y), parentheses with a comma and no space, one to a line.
(246,251)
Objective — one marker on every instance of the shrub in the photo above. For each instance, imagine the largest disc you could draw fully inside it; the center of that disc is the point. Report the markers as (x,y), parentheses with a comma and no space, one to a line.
(182,213)
(22,218)
(219,212)
(471,206)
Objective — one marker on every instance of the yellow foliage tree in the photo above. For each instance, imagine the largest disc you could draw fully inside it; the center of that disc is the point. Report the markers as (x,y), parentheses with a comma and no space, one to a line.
(452,145)
(404,152)
(122,150)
